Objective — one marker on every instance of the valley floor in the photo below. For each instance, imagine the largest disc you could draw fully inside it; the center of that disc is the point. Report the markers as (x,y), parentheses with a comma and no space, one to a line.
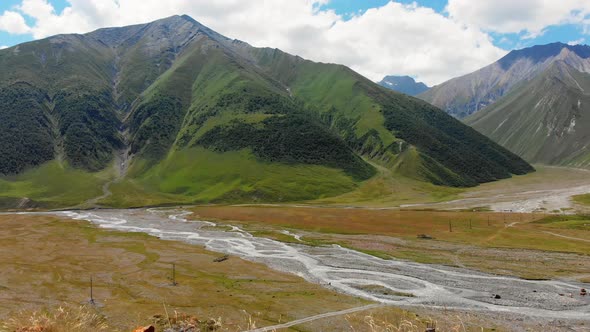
(531,246)
(131,270)
(545,251)
(47,260)
(548,190)
(320,263)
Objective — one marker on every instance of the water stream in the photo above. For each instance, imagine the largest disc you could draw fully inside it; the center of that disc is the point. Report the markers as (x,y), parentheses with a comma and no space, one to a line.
(394,282)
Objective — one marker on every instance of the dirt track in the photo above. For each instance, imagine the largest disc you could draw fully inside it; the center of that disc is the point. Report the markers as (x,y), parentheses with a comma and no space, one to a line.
(316,317)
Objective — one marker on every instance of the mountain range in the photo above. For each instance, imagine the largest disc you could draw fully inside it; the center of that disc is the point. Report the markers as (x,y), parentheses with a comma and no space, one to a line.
(534,101)
(465,95)
(545,120)
(173,112)
(403,84)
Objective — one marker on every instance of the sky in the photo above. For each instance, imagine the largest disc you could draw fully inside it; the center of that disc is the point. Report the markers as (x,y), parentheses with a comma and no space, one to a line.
(430,40)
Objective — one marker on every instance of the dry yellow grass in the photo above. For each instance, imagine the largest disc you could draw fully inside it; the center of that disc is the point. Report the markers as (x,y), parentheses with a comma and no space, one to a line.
(389,319)
(85,318)
(47,262)
(61,319)
(502,243)
(486,229)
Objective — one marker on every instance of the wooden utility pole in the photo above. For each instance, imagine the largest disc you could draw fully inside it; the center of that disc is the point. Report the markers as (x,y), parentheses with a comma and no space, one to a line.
(91,292)
(450,226)
(174,283)
(488,220)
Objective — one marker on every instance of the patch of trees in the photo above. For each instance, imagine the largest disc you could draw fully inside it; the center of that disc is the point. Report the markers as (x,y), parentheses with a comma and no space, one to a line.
(253,102)
(291,138)
(154,126)
(459,148)
(89,127)
(246,101)
(369,144)
(25,131)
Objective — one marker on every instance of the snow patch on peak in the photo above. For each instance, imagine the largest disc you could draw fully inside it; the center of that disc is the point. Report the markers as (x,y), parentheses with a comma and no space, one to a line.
(572,127)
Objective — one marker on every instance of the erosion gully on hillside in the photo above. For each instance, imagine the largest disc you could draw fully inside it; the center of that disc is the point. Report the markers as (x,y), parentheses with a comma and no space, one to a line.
(121,165)
(395,282)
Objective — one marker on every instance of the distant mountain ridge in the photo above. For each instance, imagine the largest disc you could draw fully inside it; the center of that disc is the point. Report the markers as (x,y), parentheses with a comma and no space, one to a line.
(174,112)
(403,84)
(468,94)
(545,120)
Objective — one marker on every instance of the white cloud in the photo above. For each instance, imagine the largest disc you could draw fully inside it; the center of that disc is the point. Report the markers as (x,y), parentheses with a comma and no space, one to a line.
(3,47)
(393,39)
(576,42)
(517,16)
(399,39)
(13,22)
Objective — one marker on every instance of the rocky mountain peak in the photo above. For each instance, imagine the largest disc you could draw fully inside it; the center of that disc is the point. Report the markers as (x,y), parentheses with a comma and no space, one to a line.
(541,53)
(468,94)
(177,28)
(403,84)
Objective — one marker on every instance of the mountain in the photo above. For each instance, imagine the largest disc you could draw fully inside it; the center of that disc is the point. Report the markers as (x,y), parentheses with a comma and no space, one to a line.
(403,84)
(173,112)
(468,94)
(545,120)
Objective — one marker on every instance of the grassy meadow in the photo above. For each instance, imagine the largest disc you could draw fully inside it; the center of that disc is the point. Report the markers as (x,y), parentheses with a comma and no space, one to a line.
(53,185)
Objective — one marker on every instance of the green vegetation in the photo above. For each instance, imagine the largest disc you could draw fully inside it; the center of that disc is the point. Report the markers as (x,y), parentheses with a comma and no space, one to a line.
(52,185)
(154,125)
(454,154)
(57,95)
(582,199)
(199,175)
(449,153)
(89,128)
(394,188)
(25,132)
(575,222)
(210,120)
(290,139)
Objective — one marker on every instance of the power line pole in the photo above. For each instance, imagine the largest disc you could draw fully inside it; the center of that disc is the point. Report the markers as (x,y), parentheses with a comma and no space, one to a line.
(91,292)
(174,283)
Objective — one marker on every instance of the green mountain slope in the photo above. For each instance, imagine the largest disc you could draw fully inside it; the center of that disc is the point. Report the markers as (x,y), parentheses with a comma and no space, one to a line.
(60,88)
(382,124)
(183,114)
(545,120)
